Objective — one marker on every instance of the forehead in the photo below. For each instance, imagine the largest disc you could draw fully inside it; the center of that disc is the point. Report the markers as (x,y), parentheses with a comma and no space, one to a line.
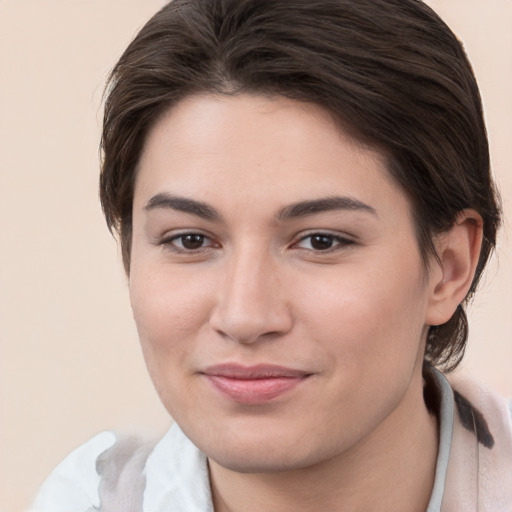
(255,148)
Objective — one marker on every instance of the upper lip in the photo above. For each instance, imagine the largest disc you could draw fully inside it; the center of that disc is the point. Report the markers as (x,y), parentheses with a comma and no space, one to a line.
(260,371)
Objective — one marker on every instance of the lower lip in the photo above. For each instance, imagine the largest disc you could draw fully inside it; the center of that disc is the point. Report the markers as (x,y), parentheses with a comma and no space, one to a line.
(254,391)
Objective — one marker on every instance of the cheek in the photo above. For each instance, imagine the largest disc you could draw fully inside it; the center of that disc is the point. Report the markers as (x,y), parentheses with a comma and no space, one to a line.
(166,303)
(169,310)
(367,319)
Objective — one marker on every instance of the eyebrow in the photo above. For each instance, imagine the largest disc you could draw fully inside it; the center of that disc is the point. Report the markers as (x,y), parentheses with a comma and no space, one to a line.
(303,208)
(294,210)
(182,204)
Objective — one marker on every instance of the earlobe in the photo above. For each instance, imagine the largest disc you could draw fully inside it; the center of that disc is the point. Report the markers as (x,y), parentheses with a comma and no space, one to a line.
(458,250)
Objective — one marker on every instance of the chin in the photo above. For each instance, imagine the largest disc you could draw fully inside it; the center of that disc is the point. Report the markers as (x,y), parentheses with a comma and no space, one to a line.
(260,460)
(263,452)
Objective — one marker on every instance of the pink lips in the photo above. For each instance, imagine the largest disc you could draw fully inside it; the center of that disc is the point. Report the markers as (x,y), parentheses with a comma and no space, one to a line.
(255,384)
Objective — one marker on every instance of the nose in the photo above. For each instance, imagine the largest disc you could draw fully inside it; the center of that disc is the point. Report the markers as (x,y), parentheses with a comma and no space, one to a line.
(251,302)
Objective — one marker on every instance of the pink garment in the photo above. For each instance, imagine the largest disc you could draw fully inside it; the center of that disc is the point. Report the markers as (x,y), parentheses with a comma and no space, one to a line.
(479,476)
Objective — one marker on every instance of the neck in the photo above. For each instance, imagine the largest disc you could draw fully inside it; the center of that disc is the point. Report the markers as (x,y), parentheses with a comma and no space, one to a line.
(392,469)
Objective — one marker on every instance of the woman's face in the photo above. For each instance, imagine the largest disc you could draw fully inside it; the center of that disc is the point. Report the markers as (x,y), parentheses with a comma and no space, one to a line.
(276,283)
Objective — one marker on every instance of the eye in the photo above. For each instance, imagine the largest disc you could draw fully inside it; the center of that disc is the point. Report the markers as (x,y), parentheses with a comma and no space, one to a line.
(187,242)
(322,242)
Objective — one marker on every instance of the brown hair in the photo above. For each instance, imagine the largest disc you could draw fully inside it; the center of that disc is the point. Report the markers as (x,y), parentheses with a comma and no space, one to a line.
(390,71)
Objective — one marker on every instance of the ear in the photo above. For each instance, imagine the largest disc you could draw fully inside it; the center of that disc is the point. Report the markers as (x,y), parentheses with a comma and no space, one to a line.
(458,250)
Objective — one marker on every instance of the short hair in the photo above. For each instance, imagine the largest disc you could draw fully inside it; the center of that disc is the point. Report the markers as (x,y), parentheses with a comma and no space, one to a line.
(390,72)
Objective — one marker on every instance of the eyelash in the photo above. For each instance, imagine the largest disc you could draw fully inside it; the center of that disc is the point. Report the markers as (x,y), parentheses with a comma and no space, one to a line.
(336,242)
(170,243)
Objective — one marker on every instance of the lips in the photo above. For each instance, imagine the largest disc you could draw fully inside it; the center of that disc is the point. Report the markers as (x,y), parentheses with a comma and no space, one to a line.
(254,384)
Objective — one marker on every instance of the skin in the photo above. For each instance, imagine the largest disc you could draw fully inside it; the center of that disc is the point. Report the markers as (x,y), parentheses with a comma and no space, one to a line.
(252,286)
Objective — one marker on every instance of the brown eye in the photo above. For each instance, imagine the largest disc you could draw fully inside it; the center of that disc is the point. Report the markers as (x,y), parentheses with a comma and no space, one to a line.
(187,243)
(192,242)
(321,242)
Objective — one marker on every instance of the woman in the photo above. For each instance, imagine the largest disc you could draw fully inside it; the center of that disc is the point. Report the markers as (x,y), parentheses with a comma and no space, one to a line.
(303,197)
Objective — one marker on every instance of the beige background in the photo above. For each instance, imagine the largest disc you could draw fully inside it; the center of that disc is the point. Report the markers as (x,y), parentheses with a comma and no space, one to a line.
(69,359)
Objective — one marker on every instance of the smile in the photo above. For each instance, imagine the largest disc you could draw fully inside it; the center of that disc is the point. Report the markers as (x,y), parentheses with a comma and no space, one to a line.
(253,385)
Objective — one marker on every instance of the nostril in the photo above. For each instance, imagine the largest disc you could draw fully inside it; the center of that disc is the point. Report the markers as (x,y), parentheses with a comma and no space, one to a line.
(250,325)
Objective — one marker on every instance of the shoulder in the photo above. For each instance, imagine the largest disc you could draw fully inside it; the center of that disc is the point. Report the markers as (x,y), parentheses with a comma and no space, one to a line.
(115,473)
(487,416)
(490,410)
(73,484)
